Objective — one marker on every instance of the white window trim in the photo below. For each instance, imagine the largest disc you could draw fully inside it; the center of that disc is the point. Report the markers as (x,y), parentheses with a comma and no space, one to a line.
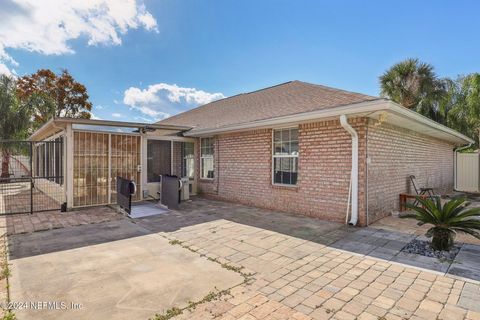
(282,156)
(202,157)
(189,157)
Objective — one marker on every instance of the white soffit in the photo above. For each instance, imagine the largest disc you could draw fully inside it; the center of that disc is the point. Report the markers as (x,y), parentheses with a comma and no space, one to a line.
(396,115)
(415,122)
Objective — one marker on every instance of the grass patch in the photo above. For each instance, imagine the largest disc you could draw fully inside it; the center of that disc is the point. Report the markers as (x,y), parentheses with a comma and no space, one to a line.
(232,268)
(211,296)
(175,242)
(238,269)
(9,315)
(170,313)
(5,274)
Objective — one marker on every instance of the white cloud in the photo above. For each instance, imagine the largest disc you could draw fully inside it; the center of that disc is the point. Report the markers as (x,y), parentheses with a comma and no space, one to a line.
(94,117)
(143,119)
(47,26)
(161,100)
(6,71)
(117,115)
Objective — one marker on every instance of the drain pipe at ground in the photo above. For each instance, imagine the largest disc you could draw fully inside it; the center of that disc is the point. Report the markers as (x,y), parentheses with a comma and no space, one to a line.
(354,173)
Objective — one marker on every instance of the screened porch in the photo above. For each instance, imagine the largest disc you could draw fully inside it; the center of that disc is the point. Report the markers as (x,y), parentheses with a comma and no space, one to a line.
(97,152)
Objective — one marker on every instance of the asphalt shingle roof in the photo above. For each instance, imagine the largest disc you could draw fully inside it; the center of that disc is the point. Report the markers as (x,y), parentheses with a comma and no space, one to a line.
(288,98)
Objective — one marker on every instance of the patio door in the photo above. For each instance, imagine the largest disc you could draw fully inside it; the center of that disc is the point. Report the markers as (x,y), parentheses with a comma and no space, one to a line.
(125,162)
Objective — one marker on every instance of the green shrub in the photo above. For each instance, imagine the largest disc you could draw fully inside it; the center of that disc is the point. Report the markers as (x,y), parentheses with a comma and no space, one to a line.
(447,220)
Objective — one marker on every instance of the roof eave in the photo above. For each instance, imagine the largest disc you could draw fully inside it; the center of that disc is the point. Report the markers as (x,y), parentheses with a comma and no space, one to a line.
(362,107)
(400,110)
(356,109)
(54,122)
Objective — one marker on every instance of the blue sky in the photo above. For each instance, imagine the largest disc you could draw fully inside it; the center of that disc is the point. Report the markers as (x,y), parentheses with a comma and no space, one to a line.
(163,57)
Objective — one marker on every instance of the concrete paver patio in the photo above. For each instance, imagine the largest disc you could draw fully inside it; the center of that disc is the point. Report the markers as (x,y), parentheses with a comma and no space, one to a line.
(301,274)
(113,270)
(303,268)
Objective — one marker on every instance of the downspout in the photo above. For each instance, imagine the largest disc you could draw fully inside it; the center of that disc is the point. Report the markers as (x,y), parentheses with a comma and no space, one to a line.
(354,173)
(367,162)
(217,169)
(455,163)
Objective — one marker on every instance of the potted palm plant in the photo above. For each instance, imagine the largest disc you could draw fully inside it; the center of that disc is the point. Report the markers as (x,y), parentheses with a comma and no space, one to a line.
(448,219)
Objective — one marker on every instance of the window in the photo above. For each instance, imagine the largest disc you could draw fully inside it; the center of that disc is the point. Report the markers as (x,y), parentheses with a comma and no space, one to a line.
(285,156)
(188,160)
(206,158)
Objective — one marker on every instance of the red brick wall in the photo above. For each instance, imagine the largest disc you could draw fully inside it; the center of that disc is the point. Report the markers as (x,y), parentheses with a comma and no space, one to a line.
(395,154)
(243,171)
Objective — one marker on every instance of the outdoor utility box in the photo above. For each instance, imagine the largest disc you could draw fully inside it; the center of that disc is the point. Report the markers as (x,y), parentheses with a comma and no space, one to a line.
(170,191)
(185,189)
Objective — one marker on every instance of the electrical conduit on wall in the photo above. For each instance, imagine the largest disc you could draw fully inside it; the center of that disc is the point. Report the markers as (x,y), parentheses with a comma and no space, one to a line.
(354,173)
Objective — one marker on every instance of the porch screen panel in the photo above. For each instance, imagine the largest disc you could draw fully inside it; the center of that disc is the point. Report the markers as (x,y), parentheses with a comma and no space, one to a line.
(90,168)
(125,160)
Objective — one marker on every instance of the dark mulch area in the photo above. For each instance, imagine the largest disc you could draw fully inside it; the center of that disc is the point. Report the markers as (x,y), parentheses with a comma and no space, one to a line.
(424,248)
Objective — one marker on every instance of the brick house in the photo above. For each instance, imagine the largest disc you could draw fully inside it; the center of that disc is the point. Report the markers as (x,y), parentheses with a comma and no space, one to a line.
(285,148)
(297,147)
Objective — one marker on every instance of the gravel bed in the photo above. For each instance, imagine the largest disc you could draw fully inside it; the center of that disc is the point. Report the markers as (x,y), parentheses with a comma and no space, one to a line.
(423,248)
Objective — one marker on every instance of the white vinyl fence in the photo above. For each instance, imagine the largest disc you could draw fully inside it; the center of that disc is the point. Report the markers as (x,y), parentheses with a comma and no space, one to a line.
(468,172)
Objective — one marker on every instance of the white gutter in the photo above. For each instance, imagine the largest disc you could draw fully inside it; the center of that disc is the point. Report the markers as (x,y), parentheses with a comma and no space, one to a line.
(354,172)
(358,109)
(398,109)
(455,163)
(362,107)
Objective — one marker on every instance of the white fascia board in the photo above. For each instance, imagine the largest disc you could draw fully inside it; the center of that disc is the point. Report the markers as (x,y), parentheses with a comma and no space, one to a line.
(357,109)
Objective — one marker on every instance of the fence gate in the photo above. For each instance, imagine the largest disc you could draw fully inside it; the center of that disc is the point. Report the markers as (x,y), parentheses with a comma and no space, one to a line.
(31,176)
(468,172)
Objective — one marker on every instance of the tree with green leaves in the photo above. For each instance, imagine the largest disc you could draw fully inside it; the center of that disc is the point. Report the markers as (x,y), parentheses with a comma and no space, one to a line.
(54,95)
(14,119)
(464,115)
(414,85)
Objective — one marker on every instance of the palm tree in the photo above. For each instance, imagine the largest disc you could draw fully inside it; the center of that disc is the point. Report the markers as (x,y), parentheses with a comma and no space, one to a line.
(15,120)
(414,85)
(464,116)
(446,219)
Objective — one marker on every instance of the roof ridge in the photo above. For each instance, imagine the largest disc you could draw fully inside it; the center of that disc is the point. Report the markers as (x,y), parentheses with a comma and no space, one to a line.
(270,87)
(333,88)
(304,91)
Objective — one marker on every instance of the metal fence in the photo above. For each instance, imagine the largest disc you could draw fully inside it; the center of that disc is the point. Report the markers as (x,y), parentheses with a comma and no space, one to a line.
(31,176)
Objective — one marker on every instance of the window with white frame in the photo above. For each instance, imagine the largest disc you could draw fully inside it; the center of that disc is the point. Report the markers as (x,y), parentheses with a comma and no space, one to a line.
(285,156)
(188,163)
(206,158)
